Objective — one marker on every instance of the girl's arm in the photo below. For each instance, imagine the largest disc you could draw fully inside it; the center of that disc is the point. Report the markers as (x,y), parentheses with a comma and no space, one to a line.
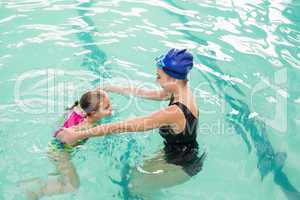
(166,116)
(140,92)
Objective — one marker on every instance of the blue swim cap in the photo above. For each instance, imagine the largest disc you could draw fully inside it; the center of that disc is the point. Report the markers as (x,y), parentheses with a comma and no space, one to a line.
(176,63)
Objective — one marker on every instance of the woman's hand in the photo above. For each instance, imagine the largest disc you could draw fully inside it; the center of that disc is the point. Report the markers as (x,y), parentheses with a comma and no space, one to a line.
(108,87)
(140,92)
(68,135)
(112,88)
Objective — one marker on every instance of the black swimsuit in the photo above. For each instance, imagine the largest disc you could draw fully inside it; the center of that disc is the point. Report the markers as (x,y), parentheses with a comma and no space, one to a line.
(182,148)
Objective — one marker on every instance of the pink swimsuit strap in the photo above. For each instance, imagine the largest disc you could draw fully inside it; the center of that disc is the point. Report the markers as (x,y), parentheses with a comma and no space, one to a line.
(74,118)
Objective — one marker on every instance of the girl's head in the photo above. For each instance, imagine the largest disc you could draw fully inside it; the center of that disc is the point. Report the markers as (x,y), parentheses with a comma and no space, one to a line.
(95,104)
(173,68)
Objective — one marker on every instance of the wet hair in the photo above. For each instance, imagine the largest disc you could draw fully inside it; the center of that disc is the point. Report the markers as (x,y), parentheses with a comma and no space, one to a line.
(89,101)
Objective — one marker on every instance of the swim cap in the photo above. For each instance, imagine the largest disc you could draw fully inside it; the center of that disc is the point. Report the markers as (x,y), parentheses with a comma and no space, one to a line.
(176,63)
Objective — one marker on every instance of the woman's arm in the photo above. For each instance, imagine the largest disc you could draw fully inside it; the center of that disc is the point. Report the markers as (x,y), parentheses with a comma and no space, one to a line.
(81,126)
(140,92)
(166,116)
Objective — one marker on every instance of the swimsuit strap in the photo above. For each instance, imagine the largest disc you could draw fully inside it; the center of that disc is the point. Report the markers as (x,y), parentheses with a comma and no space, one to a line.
(171,99)
(186,111)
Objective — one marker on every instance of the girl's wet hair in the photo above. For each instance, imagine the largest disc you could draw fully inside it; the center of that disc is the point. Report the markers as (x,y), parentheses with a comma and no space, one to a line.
(89,101)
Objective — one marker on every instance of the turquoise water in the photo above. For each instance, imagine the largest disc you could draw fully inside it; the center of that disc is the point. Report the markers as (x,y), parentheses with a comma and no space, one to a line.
(246,81)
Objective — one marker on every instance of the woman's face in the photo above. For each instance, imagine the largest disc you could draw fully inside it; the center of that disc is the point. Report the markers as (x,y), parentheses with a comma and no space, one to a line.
(165,81)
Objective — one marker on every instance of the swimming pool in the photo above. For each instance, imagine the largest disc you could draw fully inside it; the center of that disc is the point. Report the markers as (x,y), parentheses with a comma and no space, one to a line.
(246,81)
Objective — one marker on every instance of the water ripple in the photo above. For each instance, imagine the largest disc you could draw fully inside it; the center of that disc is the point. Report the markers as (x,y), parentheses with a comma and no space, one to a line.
(11,18)
(27,5)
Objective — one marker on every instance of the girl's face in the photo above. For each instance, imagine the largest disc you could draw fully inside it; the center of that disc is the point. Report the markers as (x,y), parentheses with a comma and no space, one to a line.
(105,108)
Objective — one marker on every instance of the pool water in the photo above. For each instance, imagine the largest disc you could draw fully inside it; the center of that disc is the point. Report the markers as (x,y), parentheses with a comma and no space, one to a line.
(246,80)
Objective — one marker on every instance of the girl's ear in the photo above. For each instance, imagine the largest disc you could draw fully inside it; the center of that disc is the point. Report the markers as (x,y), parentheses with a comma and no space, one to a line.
(92,113)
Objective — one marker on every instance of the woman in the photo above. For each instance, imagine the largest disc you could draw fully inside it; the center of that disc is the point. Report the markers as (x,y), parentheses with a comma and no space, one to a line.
(177,124)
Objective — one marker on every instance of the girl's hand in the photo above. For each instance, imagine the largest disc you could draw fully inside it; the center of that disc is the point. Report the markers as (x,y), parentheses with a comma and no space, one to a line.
(68,135)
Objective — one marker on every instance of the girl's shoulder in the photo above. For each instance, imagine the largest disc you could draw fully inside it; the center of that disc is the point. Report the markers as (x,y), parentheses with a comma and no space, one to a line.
(74,118)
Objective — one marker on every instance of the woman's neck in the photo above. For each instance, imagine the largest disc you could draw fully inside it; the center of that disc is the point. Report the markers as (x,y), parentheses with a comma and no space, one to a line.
(181,93)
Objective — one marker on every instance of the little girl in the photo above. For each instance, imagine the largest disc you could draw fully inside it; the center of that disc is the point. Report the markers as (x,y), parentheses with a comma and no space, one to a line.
(93,106)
